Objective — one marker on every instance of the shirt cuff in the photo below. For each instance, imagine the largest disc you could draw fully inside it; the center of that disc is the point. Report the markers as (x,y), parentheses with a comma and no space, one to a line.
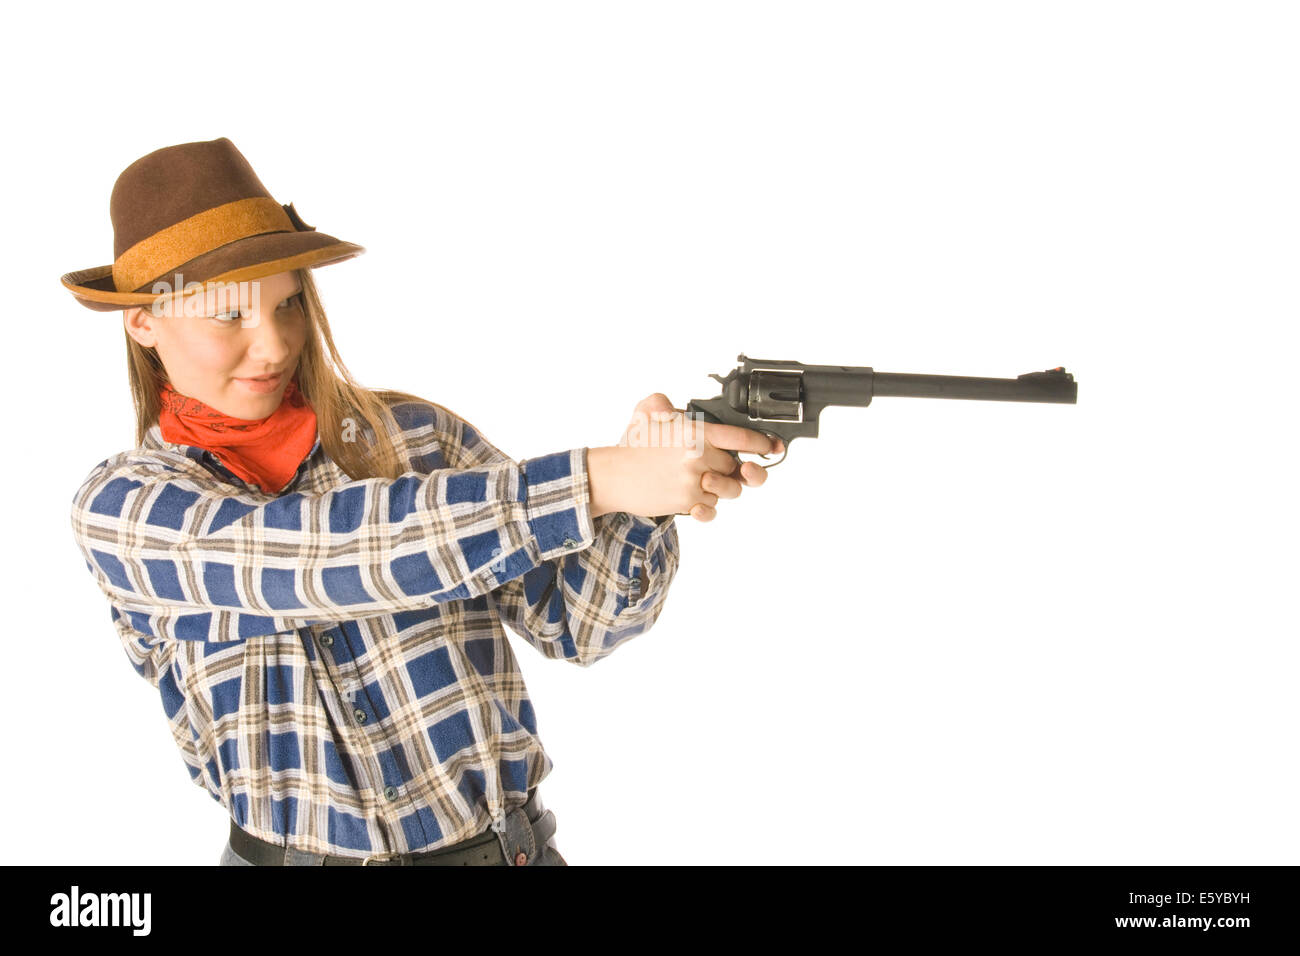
(646,541)
(557,502)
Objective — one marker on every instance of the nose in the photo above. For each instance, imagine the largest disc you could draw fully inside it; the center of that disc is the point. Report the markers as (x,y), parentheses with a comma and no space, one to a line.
(268,343)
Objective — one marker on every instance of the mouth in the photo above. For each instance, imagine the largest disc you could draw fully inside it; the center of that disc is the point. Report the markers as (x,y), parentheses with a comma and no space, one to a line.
(263,383)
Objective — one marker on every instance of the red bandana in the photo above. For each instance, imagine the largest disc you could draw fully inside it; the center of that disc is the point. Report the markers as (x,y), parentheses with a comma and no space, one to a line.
(265,452)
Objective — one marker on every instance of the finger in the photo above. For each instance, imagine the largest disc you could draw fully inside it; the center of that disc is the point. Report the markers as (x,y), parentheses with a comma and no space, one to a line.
(703,513)
(753,474)
(735,438)
(720,486)
(715,459)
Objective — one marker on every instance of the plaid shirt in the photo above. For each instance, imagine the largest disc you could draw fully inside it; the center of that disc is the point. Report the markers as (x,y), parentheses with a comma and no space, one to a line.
(332,658)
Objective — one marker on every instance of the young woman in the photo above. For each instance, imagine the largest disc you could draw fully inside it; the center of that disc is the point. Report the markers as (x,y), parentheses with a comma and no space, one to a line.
(316,577)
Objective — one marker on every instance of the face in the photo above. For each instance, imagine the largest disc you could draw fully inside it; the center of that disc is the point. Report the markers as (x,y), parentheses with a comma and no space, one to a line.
(230,357)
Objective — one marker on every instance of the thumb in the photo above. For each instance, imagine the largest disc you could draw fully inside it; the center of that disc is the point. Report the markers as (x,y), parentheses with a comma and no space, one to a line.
(656,403)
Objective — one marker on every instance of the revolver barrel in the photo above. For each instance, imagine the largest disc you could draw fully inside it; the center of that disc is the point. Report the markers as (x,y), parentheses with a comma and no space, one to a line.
(1054,385)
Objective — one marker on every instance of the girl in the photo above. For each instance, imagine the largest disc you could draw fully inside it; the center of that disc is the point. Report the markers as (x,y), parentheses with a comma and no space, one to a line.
(316,577)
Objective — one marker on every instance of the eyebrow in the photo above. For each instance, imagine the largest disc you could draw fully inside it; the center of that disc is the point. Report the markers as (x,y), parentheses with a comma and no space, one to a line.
(244,308)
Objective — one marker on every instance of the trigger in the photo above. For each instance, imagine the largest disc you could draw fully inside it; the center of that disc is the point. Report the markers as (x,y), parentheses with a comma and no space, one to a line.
(779,460)
(764,455)
(785,451)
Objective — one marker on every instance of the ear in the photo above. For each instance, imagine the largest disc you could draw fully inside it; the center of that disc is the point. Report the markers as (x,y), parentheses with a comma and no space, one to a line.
(139,324)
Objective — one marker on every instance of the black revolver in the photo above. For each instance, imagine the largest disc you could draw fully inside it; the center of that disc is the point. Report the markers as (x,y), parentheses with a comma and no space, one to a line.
(784,399)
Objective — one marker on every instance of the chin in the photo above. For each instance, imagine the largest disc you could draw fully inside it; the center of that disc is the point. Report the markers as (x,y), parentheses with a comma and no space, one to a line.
(256,406)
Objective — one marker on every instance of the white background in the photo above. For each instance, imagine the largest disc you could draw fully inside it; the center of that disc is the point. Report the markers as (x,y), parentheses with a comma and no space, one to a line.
(943,632)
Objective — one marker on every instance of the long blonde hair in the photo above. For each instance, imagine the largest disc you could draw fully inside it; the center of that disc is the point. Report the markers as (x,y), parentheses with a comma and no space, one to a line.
(325,383)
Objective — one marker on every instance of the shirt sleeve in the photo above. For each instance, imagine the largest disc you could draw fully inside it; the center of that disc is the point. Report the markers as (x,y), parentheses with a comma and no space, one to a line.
(182,555)
(581,605)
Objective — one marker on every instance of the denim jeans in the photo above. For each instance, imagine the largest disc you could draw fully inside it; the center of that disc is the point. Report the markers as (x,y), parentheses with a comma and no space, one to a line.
(548,855)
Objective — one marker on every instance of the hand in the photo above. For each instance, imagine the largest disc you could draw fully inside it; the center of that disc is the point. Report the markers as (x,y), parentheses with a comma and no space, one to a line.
(667,463)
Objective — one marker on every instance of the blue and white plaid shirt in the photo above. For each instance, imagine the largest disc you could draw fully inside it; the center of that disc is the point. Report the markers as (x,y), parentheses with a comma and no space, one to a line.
(332,658)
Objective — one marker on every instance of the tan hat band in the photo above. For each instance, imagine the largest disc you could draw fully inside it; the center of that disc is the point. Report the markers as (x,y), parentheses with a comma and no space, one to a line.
(178,244)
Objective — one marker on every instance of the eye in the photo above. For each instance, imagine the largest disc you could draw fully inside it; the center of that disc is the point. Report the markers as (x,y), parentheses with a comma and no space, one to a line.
(293,300)
(226,318)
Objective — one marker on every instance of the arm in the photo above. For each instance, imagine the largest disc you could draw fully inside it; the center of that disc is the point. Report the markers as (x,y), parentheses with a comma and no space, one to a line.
(582,605)
(183,555)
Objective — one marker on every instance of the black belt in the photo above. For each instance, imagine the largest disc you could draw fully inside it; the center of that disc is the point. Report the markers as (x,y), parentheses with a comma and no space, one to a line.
(482,850)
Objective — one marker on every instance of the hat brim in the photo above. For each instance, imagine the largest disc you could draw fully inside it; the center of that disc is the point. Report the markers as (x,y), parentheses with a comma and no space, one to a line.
(254,257)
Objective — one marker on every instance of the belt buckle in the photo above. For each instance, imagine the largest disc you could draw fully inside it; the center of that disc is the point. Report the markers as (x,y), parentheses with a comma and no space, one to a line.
(384,859)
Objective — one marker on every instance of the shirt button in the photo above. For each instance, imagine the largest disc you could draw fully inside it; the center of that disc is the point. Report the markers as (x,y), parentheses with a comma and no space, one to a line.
(390,793)
(521,859)
(327,640)
(570,543)
(360,715)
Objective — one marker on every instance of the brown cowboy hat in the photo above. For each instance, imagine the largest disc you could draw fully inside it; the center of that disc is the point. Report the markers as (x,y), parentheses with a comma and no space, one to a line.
(197,213)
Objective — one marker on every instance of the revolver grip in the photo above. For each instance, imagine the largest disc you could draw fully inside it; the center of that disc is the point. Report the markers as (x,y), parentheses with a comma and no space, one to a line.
(698,412)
